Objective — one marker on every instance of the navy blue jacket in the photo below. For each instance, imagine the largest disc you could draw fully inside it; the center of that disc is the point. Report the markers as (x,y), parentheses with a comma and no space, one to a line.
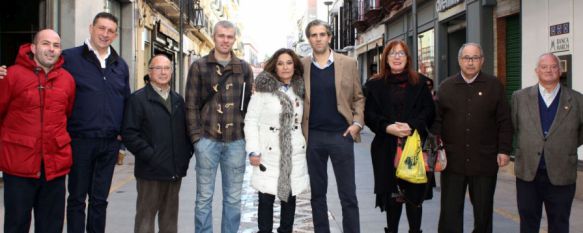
(101,93)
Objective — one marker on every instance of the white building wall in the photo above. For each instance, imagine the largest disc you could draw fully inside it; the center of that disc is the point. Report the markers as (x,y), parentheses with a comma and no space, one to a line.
(537,17)
(534,25)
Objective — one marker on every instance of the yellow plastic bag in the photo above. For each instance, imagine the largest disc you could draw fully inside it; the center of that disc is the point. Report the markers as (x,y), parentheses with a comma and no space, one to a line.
(411,166)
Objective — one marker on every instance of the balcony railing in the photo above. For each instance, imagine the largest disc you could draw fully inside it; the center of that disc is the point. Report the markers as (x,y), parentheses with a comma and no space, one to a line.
(193,12)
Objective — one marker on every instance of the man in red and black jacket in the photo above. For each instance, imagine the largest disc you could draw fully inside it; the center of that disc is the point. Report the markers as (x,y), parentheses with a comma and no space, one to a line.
(36,97)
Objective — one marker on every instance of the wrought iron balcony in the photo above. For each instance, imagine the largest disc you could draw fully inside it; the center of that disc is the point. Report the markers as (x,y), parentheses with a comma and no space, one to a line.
(371,12)
(193,14)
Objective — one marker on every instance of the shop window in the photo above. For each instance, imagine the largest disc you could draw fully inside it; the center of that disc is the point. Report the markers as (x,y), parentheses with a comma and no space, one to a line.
(426,53)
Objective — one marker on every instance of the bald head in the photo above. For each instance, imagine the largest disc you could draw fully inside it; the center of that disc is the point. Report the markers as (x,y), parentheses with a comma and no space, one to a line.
(548,70)
(160,70)
(45,33)
(46,48)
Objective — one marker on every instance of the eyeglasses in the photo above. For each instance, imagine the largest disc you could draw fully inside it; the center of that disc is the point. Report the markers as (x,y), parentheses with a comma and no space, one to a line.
(160,68)
(471,59)
(551,67)
(397,54)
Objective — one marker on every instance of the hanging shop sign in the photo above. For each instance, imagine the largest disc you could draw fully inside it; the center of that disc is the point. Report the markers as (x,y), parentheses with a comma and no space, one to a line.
(560,37)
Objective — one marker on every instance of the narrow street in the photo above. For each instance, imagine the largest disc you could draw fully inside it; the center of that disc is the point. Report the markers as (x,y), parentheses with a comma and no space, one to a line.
(121,210)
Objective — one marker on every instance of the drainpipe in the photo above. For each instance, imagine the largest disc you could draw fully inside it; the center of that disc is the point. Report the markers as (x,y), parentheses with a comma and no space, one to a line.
(414,47)
(180,52)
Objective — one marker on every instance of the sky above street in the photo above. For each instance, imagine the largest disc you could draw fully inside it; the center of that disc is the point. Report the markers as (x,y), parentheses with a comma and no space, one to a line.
(267,23)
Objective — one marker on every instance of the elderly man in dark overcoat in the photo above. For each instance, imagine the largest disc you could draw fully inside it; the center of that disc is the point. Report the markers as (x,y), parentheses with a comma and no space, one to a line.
(473,119)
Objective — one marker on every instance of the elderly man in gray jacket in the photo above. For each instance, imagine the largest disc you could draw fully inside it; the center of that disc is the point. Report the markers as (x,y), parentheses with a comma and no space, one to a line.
(548,121)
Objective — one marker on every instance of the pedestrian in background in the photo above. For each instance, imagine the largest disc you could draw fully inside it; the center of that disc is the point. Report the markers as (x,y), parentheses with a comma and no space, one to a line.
(398,102)
(333,118)
(473,120)
(275,141)
(154,130)
(217,93)
(36,97)
(548,121)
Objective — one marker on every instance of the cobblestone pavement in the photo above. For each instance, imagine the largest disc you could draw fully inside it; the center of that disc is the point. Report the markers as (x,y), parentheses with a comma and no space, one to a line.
(303,218)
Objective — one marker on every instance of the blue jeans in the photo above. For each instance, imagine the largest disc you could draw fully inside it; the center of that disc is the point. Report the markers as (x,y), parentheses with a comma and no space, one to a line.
(231,156)
(90,177)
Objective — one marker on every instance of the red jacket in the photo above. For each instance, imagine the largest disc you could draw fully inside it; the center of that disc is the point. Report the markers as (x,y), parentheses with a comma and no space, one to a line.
(33,120)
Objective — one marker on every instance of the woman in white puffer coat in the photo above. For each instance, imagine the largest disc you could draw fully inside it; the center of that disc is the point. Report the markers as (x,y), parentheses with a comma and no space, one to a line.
(274,140)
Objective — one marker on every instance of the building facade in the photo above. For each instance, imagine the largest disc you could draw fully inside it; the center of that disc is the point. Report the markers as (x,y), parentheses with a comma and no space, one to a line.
(70,18)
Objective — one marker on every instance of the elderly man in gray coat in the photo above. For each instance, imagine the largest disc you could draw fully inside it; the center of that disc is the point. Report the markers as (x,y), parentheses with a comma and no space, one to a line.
(548,121)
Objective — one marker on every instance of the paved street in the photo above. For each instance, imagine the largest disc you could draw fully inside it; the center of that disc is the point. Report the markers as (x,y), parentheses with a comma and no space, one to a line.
(123,195)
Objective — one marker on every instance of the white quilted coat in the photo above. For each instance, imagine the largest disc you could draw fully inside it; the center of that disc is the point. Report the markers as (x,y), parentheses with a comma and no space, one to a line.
(262,123)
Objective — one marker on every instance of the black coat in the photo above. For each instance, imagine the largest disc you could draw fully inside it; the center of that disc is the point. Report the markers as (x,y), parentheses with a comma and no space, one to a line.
(474,123)
(157,138)
(419,112)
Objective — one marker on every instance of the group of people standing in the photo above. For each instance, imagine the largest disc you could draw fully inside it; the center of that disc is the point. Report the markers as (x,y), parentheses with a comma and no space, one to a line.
(476,124)
(69,114)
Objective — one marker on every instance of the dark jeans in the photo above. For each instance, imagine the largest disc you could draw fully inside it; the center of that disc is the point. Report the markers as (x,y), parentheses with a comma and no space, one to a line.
(265,214)
(557,200)
(91,173)
(46,198)
(340,150)
(157,198)
(453,194)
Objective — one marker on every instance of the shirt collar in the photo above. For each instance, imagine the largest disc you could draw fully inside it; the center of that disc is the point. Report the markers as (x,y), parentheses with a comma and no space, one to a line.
(161,91)
(102,61)
(468,81)
(544,91)
(329,63)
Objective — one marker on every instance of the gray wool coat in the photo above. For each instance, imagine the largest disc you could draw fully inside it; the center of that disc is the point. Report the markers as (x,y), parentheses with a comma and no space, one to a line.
(560,145)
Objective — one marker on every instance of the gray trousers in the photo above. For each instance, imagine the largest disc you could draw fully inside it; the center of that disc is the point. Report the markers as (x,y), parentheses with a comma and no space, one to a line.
(157,197)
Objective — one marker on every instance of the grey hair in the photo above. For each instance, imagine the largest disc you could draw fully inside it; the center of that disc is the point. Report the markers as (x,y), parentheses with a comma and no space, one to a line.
(223,24)
(557,60)
(459,53)
(318,22)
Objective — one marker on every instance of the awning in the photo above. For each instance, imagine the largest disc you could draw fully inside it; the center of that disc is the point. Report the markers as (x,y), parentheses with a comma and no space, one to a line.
(363,48)
(168,30)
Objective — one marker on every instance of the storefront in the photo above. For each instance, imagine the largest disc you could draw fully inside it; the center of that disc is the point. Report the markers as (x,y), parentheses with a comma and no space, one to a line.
(459,22)
(16,29)
(368,51)
(402,27)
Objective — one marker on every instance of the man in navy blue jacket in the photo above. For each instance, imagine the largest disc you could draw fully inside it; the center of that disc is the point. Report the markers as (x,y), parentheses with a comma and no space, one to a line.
(102,79)
(102,86)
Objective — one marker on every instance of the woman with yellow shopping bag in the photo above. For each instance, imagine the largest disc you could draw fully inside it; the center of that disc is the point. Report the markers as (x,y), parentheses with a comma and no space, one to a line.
(398,105)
